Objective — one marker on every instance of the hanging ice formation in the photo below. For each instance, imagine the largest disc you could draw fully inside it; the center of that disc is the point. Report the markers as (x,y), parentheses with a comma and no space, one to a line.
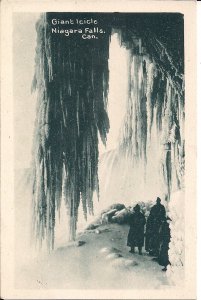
(155,99)
(71,77)
(151,146)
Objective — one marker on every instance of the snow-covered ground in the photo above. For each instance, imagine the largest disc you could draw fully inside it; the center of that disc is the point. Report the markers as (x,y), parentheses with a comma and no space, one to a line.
(103,261)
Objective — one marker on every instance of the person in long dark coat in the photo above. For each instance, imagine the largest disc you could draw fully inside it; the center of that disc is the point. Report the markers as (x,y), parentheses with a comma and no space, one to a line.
(157,215)
(158,210)
(136,232)
(164,243)
(149,232)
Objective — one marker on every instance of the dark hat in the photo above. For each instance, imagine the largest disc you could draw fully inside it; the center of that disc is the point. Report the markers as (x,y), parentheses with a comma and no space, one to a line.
(158,200)
(137,207)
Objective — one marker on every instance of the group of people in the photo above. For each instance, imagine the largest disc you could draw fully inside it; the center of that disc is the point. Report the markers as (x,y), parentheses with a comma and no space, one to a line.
(157,235)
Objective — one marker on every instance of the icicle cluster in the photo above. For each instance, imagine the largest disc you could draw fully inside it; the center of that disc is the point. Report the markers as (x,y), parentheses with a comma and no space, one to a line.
(155,98)
(151,147)
(71,76)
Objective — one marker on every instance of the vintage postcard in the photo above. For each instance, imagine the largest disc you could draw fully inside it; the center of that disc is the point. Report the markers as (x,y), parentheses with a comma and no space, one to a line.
(98,157)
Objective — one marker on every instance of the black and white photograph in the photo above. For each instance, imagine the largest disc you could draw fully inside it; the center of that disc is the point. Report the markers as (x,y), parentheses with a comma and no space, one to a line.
(103,160)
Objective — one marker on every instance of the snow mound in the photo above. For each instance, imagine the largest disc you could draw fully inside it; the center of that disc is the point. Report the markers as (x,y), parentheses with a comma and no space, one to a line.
(109,250)
(113,256)
(117,206)
(130,263)
(122,216)
(116,259)
(122,262)
(119,214)
(107,216)
(175,271)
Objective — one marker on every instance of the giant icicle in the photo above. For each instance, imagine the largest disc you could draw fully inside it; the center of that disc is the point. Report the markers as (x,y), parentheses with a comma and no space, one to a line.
(71,76)
(155,99)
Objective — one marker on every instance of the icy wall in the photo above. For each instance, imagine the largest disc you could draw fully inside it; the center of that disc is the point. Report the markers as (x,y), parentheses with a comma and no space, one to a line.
(175,271)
